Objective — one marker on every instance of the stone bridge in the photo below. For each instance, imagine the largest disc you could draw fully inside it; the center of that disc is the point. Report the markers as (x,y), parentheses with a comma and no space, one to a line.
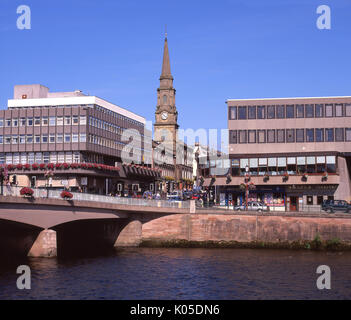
(43,227)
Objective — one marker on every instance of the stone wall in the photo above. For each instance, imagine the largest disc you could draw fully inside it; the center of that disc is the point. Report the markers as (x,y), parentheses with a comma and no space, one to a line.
(217,227)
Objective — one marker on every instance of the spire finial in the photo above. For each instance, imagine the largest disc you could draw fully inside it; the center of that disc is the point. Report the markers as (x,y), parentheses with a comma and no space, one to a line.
(165,31)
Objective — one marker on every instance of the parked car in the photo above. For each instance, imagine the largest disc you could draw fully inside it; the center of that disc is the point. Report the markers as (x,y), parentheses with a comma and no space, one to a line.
(336,205)
(252,206)
(175,195)
(187,195)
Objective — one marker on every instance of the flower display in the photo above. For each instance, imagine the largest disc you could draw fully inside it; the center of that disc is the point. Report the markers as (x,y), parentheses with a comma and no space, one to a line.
(66,195)
(26,192)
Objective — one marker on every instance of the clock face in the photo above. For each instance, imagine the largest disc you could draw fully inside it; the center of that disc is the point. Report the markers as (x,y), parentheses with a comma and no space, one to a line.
(164,115)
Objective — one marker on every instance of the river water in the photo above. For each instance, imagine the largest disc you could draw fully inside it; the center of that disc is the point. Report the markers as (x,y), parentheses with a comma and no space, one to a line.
(172,273)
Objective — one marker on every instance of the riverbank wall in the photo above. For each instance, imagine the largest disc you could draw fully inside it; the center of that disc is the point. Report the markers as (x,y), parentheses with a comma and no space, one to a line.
(223,230)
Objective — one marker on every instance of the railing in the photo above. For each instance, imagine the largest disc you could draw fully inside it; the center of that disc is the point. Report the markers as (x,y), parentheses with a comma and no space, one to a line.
(56,194)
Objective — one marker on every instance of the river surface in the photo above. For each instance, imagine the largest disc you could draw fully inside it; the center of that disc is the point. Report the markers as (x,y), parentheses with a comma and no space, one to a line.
(167,273)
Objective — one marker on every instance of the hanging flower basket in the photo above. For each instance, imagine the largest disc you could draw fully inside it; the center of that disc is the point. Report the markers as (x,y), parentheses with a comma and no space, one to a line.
(35,166)
(27,166)
(286,176)
(304,177)
(266,177)
(19,166)
(51,166)
(26,192)
(42,166)
(66,195)
(10,167)
(325,176)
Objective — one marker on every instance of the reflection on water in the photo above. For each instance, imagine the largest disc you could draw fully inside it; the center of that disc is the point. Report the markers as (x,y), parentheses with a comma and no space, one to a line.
(152,273)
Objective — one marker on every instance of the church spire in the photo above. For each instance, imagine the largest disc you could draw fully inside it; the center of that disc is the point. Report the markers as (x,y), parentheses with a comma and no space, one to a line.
(166,65)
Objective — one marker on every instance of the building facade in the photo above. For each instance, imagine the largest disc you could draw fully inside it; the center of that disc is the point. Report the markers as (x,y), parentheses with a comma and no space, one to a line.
(68,139)
(291,153)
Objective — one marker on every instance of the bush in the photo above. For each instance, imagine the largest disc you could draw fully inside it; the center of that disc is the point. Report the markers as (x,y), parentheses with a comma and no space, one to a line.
(26,191)
(66,195)
(317,242)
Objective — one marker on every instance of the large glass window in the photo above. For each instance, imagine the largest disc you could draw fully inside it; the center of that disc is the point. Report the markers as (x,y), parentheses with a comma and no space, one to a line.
(291,165)
(290,111)
(329,110)
(339,134)
(15,122)
(75,120)
(253,164)
(83,120)
(37,138)
(23,159)
(301,165)
(262,166)
(23,122)
(30,121)
(235,167)
(232,136)
(242,113)
(348,134)
(67,137)
(331,164)
(280,112)
(83,137)
(45,138)
(272,166)
(44,121)
(281,165)
(309,110)
(59,138)
(319,110)
(46,157)
(52,121)
(261,136)
(311,164)
(37,121)
(52,138)
(319,135)
(7,139)
(252,136)
(29,138)
(74,137)
(347,110)
(309,135)
(271,136)
(67,120)
(232,113)
(59,121)
(243,164)
(329,135)
(252,112)
(320,164)
(300,135)
(270,112)
(261,112)
(300,111)
(290,135)
(280,135)
(338,110)
(242,136)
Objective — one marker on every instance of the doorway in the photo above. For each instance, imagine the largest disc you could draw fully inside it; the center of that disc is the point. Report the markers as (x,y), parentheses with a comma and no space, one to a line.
(294,201)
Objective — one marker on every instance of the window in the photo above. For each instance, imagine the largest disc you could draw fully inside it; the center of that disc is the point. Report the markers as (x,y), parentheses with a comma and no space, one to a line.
(271,136)
(46,157)
(76,157)
(309,200)
(253,164)
(8,123)
(329,135)
(261,136)
(29,122)
(291,165)
(29,138)
(38,157)
(53,157)
(61,157)
(83,120)
(37,121)
(59,121)
(74,137)
(68,157)
(16,158)
(67,120)
(252,112)
(22,139)
(331,164)
(309,135)
(1,139)
(301,165)
(280,112)
(329,112)
(15,122)
(338,110)
(319,110)
(31,157)
(348,134)
(52,121)
(23,122)
(23,158)
(270,112)
(252,136)
(37,139)
(83,137)
(311,164)
(243,164)
(300,135)
(232,136)
(309,111)
(320,164)
(75,120)
(44,121)
(280,136)
(300,111)
(232,113)
(242,113)
(67,138)
(261,112)
(8,158)
(272,166)
(262,166)
(319,135)
(290,111)
(59,138)
(51,138)
(44,138)
(7,139)
(281,165)
(347,111)
(14,139)
(242,136)
(1,122)
(339,134)
(2,158)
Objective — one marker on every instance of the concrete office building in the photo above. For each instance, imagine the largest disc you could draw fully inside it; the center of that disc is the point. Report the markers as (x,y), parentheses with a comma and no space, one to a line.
(291,153)
(70,139)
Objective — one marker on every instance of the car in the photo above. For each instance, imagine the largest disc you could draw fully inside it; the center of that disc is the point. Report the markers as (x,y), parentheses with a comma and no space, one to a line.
(175,195)
(332,206)
(187,195)
(252,206)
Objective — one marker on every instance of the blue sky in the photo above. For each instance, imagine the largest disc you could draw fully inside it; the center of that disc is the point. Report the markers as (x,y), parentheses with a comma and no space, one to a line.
(219,50)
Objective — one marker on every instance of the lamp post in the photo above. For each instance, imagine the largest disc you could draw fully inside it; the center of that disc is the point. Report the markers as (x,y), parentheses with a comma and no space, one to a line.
(246,185)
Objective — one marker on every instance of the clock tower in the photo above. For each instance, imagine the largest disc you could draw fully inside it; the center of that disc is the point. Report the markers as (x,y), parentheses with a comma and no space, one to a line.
(166,114)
